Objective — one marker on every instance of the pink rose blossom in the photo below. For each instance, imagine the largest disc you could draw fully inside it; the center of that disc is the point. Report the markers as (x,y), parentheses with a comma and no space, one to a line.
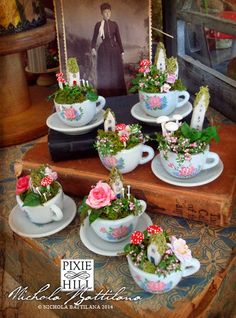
(156,286)
(70,113)
(120,127)
(119,231)
(165,88)
(22,185)
(171,78)
(155,101)
(100,196)
(141,70)
(180,249)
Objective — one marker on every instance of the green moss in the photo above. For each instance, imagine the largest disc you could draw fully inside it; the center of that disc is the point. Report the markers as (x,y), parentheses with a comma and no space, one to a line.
(160,241)
(149,267)
(72,65)
(203,91)
(171,65)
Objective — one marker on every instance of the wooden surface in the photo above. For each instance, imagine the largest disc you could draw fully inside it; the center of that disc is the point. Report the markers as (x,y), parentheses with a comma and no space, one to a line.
(28,124)
(21,118)
(22,41)
(211,203)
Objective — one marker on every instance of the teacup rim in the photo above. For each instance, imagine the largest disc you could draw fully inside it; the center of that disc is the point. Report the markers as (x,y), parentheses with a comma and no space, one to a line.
(162,93)
(60,191)
(71,104)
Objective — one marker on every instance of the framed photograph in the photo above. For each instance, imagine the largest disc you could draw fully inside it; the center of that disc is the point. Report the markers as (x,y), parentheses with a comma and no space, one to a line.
(108,38)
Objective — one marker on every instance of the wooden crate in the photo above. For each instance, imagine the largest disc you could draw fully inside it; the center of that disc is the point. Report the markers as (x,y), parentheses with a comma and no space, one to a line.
(211,203)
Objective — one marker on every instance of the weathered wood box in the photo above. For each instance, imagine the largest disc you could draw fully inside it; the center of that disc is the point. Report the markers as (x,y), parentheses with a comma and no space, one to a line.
(211,203)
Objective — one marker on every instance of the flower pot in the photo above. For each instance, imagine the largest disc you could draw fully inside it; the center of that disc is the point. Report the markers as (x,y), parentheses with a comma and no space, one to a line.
(128,159)
(155,284)
(160,104)
(79,114)
(188,168)
(51,210)
(117,230)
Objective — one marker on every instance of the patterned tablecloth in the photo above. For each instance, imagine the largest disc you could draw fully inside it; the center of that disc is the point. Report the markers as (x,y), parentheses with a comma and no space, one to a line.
(211,245)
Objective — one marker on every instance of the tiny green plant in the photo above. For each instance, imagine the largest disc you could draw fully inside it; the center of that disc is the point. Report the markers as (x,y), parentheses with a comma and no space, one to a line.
(187,141)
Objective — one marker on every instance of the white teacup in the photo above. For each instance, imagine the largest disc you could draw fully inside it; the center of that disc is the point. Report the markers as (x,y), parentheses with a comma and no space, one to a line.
(117,230)
(162,104)
(79,114)
(48,212)
(128,159)
(155,284)
(188,168)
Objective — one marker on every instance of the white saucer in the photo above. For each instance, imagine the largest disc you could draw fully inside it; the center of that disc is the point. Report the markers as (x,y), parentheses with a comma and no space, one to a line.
(138,113)
(95,244)
(55,123)
(21,224)
(204,177)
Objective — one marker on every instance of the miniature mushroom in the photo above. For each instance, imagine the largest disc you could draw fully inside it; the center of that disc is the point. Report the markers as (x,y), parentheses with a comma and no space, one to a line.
(177,117)
(162,120)
(171,126)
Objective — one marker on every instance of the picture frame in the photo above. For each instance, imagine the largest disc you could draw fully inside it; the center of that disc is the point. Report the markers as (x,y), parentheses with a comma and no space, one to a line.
(75,30)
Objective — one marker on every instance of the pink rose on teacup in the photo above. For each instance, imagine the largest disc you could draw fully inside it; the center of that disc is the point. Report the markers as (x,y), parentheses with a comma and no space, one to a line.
(120,231)
(70,113)
(155,101)
(100,196)
(22,184)
(156,286)
(180,249)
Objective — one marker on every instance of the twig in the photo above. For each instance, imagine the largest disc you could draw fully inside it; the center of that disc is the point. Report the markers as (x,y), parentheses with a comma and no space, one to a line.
(158,30)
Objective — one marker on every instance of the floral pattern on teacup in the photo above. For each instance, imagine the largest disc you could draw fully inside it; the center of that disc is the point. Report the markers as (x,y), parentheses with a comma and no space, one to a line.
(116,233)
(183,171)
(153,287)
(155,102)
(69,113)
(111,161)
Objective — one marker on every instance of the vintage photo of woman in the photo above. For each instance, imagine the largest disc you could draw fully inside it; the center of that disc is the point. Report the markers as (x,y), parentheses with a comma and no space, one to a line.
(110,71)
(108,40)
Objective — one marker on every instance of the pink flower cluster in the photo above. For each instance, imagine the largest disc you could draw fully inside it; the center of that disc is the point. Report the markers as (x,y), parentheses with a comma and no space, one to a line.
(60,78)
(22,184)
(100,196)
(144,66)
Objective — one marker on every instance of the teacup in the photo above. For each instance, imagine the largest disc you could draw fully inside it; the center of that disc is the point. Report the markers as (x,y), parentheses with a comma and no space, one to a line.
(155,284)
(79,114)
(117,230)
(45,213)
(188,168)
(128,159)
(162,104)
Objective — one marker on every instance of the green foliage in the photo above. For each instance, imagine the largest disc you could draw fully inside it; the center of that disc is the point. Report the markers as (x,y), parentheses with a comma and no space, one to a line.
(74,94)
(32,199)
(72,65)
(187,138)
(178,86)
(118,209)
(108,142)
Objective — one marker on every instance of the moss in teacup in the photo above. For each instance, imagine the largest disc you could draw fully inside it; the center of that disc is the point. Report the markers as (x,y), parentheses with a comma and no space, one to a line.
(117,137)
(38,187)
(75,90)
(109,200)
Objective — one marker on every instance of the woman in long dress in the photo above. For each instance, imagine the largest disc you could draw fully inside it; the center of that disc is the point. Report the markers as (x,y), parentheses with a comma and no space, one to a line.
(110,72)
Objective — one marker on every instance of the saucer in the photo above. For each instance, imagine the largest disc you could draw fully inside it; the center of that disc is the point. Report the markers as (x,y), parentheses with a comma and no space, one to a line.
(95,244)
(21,224)
(55,123)
(204,177)
(138,113)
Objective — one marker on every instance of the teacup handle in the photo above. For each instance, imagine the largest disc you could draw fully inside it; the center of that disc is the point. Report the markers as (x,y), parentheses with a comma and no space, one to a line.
(211,155)
(191,267)
(101,101)
(57,214)
(150,155)
(184,101)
